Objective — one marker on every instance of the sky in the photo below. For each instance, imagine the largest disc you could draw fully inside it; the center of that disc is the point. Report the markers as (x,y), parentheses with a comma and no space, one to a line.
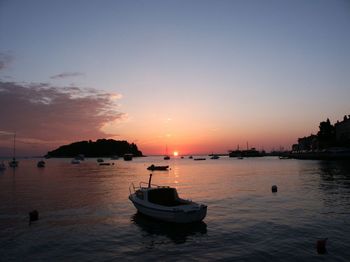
(194,76)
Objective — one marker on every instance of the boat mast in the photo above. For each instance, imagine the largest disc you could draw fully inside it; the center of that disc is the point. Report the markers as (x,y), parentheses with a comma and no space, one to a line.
(14,146)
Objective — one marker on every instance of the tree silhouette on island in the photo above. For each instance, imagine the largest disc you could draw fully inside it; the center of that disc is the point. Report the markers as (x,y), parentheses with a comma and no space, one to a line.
(100,148)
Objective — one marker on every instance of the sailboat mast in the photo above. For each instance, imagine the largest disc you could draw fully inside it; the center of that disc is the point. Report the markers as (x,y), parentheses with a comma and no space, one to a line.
(14,145)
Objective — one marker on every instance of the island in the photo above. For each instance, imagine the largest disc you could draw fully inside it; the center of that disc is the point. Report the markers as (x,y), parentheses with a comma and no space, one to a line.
(99,148)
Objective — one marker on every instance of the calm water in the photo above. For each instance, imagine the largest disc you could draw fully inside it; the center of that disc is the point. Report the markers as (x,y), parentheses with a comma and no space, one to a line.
(85,214)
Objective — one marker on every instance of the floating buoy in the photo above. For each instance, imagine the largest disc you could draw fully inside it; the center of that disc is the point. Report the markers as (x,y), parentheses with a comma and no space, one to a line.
(321,246)
(274,189)
(33,216)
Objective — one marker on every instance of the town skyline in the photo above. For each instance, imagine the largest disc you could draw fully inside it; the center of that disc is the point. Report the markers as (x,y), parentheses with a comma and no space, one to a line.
(197,77)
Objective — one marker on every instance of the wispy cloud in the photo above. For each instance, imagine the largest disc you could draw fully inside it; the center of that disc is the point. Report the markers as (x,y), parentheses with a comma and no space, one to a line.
(6,133)
(41,112)
(67,74)
(5,60)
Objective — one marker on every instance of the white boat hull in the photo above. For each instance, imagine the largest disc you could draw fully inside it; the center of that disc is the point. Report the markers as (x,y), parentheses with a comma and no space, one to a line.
(177,214)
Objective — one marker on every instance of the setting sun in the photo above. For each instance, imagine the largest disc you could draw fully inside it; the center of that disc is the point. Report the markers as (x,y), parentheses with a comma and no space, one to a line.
(176,153)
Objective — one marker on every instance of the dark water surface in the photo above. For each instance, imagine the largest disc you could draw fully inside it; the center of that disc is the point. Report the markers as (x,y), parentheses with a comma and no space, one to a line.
(85,214)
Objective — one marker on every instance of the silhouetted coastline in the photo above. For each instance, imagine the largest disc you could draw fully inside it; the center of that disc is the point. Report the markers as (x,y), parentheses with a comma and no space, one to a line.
(332,142)
(99,148)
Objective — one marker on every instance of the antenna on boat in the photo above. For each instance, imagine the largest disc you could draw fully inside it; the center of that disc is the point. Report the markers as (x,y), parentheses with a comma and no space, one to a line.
(149,181)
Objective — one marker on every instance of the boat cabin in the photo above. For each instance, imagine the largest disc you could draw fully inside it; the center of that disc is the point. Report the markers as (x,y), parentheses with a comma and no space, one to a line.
(165,196)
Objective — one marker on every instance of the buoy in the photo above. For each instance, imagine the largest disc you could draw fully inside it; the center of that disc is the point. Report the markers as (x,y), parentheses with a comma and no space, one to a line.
(321,246)
(274,189)
(33,216)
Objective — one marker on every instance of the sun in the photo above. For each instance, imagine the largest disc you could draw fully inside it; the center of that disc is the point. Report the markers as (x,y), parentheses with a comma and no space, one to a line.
(176,153)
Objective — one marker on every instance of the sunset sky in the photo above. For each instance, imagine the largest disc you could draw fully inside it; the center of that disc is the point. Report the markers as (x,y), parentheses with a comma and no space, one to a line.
(197,76)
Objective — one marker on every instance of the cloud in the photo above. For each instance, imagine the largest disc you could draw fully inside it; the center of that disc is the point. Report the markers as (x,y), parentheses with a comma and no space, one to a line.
(5,60)
(41,113)
(67,74)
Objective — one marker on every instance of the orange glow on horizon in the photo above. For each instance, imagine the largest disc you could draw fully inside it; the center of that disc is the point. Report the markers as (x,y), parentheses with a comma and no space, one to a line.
(176,153)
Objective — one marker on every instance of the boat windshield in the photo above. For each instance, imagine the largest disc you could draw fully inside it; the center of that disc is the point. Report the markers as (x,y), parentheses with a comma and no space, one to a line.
(164,197)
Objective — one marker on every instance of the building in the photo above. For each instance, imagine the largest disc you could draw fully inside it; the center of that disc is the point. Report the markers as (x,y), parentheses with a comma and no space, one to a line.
(342,132)
(309,143)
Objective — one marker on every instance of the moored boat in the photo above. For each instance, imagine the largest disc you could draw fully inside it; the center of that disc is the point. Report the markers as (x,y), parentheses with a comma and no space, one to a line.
(166,157)
(153,167)
(13,163)
(127,157)
(41,163)
(105,164)
(199,158)
(163,203)
(75,161)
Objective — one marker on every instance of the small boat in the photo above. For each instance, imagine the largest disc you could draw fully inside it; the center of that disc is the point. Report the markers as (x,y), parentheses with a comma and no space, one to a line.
(105,164)
(100,160)
(128,157)
(190,157)
(153,167)
(80,157)
(14,163)
(284,157)
(2,166)
(75,161)
(164,203)
(166,157)
(41,163)
(199,158)
(215,157)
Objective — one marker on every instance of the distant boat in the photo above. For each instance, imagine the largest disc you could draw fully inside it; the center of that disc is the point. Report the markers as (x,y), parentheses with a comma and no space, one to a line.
(215,157)
(80,157)
(128,157)
(153,167)
(105,164)
(284,157)
(166,157)
(199,158)
(190,157)
(164,203)
(100,160)
(75,161)
(41,163)
(2,166)
(14,163)
(246,153)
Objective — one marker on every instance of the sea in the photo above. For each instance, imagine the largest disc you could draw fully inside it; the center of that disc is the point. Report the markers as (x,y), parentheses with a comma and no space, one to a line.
(85,213)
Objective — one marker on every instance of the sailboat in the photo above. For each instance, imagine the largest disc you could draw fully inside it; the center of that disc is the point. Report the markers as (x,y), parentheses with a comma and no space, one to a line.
(166,157)
(14,163)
